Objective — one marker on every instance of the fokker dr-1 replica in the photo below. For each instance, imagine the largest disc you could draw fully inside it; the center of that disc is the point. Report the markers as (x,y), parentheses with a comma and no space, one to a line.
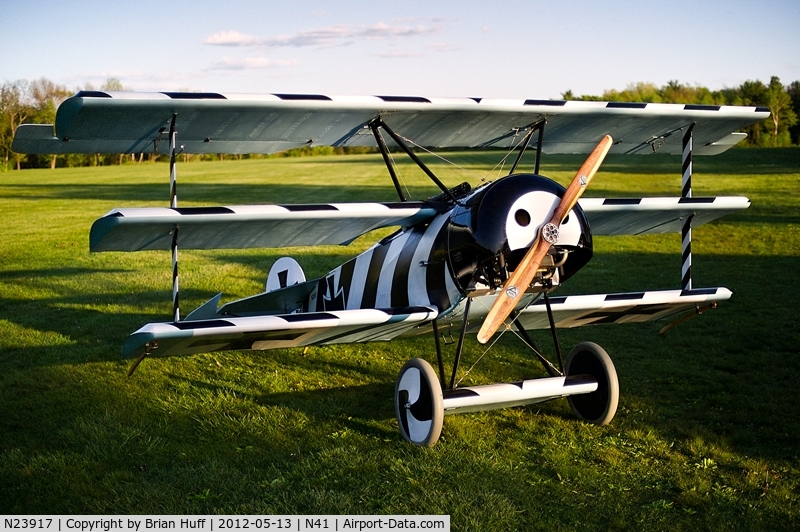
(477,260)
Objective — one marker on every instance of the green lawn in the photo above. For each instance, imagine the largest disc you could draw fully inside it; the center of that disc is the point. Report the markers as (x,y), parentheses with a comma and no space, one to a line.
(707,435)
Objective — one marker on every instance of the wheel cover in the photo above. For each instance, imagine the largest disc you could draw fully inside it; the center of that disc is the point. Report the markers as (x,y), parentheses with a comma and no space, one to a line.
(600,406)
(418,403)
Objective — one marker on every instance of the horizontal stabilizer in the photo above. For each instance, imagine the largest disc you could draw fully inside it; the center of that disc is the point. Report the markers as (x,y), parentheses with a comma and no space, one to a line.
(249,226)
(640,216)
(272,332)
(206,311)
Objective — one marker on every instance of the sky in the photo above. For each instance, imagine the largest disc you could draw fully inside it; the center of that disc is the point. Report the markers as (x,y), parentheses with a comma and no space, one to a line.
(490,49)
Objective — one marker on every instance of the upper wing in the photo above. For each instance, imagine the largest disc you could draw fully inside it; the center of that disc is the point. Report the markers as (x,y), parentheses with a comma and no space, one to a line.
(127,122)
(249,226)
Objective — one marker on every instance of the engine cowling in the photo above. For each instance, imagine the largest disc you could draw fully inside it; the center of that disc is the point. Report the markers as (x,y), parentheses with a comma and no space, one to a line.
(491,230)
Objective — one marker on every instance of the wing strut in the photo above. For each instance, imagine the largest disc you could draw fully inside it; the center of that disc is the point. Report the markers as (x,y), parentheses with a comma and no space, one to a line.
(536,126)
(386,159)
(460,345)
(439,357)
(173,203)
(686,192)
(378,122)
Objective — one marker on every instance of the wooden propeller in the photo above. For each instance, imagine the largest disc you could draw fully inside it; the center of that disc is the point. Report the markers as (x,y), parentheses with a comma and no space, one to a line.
(523,275)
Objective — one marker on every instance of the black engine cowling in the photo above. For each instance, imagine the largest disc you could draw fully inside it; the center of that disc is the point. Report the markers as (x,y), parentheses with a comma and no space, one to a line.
(493,228)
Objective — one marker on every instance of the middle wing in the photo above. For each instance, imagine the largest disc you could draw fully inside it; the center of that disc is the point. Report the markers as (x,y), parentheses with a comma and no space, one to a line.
(640,216)
(249,226)
(272,226)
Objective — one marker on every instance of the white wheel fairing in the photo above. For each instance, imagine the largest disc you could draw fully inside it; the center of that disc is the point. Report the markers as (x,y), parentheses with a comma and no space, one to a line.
(418,403)
(529,212)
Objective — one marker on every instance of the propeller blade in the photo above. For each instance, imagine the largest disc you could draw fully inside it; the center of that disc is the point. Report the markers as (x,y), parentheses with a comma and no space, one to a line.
(523,275)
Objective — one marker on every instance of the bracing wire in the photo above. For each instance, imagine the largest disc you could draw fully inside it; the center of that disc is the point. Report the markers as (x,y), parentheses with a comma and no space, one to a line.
(482,177)
(502,332)
(466,373)
(399,175)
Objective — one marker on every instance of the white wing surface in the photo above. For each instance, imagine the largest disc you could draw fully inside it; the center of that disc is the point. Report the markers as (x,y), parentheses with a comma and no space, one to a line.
(633,307)
(641,216)
(273,332)
(127,122)
(249,226)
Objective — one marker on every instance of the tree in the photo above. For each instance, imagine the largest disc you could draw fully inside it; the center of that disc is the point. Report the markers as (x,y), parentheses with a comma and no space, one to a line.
(15,108)
(46,97)
(794,93)
(754,93)
(783,116)
(113,84)
(634,92)
(774,131)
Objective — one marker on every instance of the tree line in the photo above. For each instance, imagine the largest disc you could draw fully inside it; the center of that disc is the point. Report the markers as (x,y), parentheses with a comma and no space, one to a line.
(35,102)
(783,102)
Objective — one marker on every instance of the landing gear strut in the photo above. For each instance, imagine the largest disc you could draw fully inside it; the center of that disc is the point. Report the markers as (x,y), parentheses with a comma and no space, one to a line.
(588,380)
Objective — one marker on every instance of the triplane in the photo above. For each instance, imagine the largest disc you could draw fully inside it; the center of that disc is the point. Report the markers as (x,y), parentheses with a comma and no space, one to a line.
(480,260)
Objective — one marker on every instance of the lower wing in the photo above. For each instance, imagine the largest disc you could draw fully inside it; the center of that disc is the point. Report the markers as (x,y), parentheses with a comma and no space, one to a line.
(272,332)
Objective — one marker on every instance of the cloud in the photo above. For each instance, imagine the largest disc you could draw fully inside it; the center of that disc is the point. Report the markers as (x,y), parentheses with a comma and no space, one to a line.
(318,37)
(232,38)
(399,55)
(443,47)
(338,35)
(248,63)
(382,30)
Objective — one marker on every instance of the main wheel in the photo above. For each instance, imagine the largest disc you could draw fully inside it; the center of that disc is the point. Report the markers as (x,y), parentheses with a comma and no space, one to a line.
(599,406)
(418,403)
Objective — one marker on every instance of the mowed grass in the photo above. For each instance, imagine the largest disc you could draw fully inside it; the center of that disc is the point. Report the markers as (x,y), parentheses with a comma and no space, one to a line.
(707,435)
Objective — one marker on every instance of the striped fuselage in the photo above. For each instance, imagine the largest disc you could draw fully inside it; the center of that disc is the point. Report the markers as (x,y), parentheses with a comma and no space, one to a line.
(407,268)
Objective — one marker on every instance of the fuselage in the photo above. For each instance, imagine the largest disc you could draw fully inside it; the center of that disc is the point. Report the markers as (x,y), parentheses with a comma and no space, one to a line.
(466,250)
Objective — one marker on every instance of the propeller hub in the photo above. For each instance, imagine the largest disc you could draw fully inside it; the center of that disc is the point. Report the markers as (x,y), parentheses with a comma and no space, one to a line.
(550,233)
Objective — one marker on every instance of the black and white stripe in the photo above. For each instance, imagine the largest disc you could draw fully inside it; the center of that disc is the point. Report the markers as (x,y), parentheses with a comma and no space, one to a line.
(272,332)
(176,306)
(686,230)
(269,123)
(364,99)
(639,216)
(633,307)
(399,271)
(250,226)
(173,203)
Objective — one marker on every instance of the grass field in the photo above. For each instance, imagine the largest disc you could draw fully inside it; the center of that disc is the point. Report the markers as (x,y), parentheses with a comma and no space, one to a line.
(707,435)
